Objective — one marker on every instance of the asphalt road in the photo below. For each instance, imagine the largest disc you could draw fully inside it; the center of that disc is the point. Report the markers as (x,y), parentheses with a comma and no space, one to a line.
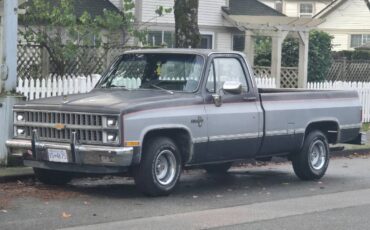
(265,197)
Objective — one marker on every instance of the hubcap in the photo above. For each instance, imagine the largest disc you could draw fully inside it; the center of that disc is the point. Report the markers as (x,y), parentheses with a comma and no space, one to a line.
(318,155)
(165,167)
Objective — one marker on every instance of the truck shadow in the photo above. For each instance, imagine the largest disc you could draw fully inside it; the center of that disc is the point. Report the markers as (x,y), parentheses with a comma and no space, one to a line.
(197,183)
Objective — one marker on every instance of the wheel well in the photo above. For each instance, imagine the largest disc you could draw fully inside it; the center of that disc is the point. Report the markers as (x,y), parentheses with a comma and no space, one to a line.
(180,136)
(329,128)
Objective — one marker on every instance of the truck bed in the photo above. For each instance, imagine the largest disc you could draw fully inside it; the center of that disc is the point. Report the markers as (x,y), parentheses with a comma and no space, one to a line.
(288,113)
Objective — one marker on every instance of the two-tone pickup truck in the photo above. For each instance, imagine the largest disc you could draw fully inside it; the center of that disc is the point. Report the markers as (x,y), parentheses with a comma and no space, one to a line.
(186,108)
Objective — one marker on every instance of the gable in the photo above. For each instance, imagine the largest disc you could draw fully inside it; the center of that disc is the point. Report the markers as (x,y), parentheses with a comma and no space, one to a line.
(348,15)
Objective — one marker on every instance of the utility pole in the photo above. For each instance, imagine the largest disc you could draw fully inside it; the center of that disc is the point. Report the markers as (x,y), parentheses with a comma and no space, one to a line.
(8,71)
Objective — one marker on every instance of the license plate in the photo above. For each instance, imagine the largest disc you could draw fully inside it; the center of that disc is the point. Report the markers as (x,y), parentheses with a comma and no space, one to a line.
(58,155)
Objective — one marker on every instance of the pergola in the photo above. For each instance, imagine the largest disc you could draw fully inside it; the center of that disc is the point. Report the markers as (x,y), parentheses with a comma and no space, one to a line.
(276,27)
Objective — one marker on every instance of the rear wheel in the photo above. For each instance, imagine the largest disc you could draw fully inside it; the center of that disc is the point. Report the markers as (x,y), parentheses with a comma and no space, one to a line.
(313,160)
(160,167)
(52,177)
(218,168)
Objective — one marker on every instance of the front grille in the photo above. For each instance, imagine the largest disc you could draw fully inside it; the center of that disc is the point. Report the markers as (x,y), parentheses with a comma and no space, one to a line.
(88,127)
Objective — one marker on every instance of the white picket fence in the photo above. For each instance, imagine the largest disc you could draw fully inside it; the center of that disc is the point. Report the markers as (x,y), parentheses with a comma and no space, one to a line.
(57,86)
(363,89)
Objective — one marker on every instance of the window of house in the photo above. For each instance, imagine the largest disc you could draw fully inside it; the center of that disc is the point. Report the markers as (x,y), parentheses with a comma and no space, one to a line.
(206,41)
(359,39)
(238,42)
(306,10)
(161,38)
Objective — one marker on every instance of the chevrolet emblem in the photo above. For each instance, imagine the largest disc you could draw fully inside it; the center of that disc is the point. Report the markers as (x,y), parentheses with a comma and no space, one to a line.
(59,126)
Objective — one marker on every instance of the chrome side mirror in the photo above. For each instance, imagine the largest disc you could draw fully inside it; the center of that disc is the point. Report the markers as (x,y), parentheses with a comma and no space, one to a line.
(217,99)
(232,87)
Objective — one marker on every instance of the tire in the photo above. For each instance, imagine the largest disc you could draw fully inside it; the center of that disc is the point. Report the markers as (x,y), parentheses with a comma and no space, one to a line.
(160,167)
(312,161)
(52,177)
(218,168)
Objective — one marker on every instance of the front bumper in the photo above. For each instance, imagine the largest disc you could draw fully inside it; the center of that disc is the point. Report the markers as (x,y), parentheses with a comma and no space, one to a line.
(34,151)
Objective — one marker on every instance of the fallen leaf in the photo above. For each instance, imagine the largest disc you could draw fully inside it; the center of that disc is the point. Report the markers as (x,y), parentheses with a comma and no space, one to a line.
(195,197)
(4,211)
(219,196)
(319,182)
(86,203)
(285,183)
(66,215)
(229,190)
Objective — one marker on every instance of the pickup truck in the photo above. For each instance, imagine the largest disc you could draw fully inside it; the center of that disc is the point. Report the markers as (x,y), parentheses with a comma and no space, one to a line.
(155,112)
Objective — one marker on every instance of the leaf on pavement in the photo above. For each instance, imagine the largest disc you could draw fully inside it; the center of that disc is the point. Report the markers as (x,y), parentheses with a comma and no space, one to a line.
(66,215)
(4,211)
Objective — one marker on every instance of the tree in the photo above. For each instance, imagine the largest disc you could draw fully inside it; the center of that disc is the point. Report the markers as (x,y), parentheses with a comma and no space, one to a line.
(55,26)
(186,24)
(319,54)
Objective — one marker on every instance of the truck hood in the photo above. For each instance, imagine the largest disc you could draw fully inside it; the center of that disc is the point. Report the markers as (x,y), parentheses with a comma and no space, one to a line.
(111,101)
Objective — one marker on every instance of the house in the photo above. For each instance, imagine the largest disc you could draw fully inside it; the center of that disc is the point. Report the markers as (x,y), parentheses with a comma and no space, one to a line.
(348,21)
(298,8)
(216,32)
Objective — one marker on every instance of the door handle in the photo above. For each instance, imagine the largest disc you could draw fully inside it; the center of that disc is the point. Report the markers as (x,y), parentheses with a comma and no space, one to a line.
(250,98)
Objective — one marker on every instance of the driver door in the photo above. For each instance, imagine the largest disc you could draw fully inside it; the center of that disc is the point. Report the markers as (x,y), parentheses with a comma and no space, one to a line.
(234,126)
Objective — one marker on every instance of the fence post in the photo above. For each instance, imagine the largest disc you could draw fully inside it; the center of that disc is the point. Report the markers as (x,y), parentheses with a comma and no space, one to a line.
(45,62)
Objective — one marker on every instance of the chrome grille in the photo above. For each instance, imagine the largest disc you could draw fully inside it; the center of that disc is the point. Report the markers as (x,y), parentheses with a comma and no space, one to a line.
(88,127)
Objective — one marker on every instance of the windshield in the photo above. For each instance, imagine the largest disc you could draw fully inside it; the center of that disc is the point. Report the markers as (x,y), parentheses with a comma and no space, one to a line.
(168,72)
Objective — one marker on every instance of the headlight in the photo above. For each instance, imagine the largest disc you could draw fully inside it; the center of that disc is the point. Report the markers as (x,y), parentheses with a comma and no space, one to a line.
(21,131)
(111,122)
(112,137)
(20,117)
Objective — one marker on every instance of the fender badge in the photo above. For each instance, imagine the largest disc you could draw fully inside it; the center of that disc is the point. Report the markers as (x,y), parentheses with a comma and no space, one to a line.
(59,126)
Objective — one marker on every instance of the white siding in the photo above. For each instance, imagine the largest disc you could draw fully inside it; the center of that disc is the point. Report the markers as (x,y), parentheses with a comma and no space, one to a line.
(223,41)
(291,7)
(209,12)
(352,17)
(340,41)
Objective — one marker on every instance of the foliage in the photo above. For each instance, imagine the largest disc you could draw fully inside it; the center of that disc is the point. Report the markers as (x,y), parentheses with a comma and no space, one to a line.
(61,32)
(262,51)
(186,24)
(319,56)
(352,55)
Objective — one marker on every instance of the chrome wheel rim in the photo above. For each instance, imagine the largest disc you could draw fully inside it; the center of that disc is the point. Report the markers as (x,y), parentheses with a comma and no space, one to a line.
(165,167)
(318,155)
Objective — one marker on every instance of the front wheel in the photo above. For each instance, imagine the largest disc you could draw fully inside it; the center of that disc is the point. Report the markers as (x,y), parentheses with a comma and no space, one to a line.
(313,160)
(160,167)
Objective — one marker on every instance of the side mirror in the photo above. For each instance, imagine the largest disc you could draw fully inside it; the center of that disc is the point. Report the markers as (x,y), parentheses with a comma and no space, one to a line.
(232,87)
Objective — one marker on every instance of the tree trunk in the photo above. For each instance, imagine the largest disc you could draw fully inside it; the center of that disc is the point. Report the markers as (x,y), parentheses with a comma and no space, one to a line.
(186,29)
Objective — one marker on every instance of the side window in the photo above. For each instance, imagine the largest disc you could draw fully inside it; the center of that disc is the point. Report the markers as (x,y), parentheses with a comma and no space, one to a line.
(226,69)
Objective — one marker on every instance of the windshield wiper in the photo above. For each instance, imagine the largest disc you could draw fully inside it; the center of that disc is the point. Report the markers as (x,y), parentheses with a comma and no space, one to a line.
(158,87)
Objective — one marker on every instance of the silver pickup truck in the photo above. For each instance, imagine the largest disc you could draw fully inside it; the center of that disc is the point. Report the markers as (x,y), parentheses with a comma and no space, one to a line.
(155,112)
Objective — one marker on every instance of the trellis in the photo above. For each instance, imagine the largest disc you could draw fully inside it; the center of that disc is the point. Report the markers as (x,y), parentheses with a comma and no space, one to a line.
(354,70)
(34,61)
(288,78)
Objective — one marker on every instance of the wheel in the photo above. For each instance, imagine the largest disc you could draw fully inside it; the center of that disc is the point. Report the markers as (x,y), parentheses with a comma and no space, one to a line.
(313,160)
(52,177)
(218,168)
(160,167)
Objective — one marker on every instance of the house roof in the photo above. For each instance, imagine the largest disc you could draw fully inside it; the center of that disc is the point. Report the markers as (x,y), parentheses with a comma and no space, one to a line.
(94,8)
(251,8)
(329,8)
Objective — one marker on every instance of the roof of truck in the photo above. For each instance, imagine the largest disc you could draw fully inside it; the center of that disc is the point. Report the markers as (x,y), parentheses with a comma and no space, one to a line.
(204,52)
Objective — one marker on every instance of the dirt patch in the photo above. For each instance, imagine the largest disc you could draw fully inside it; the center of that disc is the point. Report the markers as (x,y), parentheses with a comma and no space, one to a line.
(30,188)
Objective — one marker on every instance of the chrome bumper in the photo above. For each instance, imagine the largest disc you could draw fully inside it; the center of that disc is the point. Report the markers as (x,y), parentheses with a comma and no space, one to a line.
(77,154)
